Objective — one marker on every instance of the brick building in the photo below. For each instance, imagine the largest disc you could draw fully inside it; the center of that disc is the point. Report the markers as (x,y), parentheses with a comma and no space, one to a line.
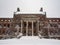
(31,24)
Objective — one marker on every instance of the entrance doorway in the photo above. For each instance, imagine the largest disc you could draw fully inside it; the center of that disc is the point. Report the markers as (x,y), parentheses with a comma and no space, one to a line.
(29,29)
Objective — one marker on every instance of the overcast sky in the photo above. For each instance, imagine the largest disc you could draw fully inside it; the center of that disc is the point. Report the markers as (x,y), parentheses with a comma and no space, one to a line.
(8,7)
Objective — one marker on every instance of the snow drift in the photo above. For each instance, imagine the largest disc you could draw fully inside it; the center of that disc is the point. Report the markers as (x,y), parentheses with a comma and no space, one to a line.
(30,40)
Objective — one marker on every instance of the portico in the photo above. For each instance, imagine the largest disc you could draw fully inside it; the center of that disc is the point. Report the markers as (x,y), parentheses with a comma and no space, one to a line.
(29,28)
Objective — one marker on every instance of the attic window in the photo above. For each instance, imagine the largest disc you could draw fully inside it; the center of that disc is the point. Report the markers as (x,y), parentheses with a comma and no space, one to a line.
(1,20)
(50,20)
(57,20)
(5,20)
(9,20)
(53,20)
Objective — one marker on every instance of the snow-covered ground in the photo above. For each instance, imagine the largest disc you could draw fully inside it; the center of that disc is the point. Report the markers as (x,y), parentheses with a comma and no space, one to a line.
(30,40)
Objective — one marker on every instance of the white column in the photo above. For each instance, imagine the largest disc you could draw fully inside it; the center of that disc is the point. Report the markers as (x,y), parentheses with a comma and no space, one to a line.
(21,26)
(48,30)
(38,26)
(32,29)
(26,28)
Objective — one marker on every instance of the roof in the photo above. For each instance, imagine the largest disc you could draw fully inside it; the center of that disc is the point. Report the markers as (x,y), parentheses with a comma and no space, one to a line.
(53,18)
(30,13)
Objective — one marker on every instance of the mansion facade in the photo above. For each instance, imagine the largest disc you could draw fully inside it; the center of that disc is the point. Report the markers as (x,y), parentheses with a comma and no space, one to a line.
(30,24)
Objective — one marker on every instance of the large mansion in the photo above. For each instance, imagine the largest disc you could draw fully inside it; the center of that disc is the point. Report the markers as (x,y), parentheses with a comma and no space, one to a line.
(30,24)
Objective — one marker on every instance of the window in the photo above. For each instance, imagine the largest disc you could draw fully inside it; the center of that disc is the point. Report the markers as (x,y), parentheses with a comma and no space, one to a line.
(51,25)
(4,24)
(0,26)
(1,20)
(19,24)
(57,20)
(9,20)
(8,25)
(53,20)
(5,20)
(50,20)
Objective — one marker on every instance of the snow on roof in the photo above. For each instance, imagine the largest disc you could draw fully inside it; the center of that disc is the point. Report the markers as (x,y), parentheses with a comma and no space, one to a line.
(30,13)
(30,40)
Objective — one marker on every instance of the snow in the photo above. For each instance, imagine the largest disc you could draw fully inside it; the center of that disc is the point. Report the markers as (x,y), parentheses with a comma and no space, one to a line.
(30,13)
(30,40)
(20,34)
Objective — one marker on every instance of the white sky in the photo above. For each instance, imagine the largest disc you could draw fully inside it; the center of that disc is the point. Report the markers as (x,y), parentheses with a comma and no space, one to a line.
(7,7)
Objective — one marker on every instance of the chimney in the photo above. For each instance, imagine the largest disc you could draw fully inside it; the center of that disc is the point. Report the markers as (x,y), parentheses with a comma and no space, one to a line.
(18,10)
(41,9)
